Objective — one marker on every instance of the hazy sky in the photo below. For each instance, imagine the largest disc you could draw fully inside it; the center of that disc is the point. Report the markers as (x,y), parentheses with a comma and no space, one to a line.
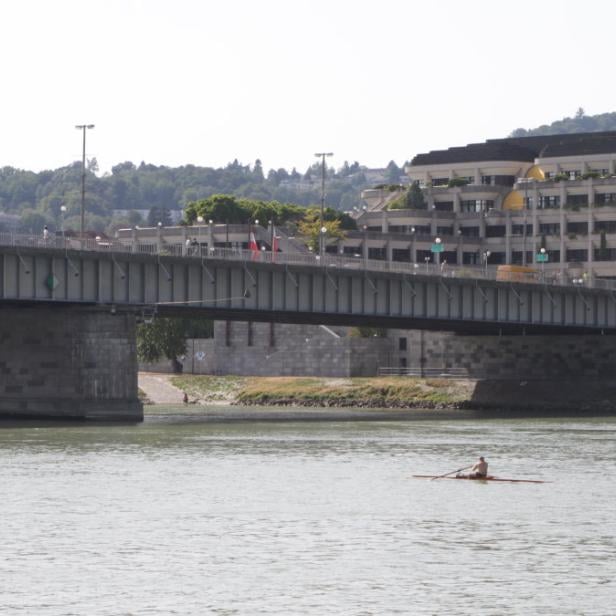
(203,82)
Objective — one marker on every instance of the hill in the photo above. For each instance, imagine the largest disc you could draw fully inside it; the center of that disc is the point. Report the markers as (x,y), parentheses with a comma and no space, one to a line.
(579,123)
(145,194)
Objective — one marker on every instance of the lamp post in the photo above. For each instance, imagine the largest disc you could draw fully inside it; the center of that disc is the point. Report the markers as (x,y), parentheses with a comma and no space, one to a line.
(322,236)
(437,248)
(200,220)
(542,257)
(486,255)
(83,128)
(322,156)
(62,214)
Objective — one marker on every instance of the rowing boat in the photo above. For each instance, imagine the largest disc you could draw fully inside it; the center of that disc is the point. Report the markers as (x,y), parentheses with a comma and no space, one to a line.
(488,478)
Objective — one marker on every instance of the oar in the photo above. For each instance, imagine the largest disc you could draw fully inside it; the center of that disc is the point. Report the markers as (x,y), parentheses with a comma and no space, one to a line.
(451,473)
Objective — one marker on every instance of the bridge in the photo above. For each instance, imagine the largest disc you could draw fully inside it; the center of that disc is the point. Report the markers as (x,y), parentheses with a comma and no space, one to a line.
(69,308)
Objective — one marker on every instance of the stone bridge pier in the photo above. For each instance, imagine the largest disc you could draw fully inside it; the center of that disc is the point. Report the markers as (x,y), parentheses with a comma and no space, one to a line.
(68,363)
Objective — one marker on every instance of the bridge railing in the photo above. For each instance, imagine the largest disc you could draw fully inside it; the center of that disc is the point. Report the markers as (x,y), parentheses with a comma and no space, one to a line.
(157,246)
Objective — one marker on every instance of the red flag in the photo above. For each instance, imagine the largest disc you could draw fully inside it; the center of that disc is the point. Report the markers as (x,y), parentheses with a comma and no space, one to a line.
(253,246)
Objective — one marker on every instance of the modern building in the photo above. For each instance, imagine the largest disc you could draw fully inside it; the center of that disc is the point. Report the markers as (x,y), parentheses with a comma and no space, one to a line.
(502,202)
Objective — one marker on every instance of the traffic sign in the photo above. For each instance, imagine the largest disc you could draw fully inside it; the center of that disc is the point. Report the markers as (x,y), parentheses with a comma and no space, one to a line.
(541,257)
(437,247)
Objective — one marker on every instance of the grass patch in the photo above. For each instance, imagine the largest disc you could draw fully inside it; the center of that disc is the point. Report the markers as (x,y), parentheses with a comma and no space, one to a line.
(377,392)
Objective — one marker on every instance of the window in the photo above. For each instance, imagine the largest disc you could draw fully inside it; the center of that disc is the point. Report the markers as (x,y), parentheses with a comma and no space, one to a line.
(469,231)
(401,254)
(449,257)
(443,206)
(497,258)
(517,257)
(377,228)
(424,255)
(577,201)
(402,361)
(605,254)
(519,229)
(548,202)
(486,180)
(552,228)
(609,226)
(470,258)
(605,198)
(495,231)
(444,230)
(577,256)
(504,180)
(440,181)
(397,228)
(476,205)
(401,344)
(377,253)
(422,229)
(577,227)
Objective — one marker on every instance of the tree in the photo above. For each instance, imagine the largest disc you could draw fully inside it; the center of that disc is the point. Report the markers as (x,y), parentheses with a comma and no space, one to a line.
(257,171)
(159,214)
(414,198)
(162,338)
(393,173)
(310,228)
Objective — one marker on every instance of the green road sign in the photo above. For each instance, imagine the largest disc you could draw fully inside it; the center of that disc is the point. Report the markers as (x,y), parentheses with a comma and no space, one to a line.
(437,247)
(542,257)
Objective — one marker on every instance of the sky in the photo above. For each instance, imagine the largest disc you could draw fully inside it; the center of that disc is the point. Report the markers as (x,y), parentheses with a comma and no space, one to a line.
(202,82)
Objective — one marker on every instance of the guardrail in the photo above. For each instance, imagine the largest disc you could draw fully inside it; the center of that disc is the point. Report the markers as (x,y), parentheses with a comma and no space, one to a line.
(161,248)
(443,373)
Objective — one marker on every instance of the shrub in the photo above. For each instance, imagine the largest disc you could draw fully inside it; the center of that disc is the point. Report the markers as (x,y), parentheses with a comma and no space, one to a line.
(457,182)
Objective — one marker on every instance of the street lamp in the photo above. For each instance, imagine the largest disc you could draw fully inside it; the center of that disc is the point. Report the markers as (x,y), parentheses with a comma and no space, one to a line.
(200,220)
(322,156)
(486,256)
(62,213)
(322,240)
(83,128)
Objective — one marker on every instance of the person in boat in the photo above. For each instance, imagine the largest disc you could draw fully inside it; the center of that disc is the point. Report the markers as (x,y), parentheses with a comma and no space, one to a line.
(478,471)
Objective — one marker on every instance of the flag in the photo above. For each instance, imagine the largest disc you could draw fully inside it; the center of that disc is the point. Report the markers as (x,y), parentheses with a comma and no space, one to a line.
(275,239)
(253,246)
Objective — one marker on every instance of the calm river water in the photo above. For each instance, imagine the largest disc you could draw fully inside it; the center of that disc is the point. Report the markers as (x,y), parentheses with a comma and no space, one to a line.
(183,517)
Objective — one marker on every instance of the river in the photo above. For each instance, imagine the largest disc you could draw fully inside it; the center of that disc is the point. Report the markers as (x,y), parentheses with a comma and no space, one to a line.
(178,516)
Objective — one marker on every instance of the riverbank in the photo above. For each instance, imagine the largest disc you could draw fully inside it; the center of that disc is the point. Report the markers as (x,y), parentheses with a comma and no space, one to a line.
(395,395)
(320,392)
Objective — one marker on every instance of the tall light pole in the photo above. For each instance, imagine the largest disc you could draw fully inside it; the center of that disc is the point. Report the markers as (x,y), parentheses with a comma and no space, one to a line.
(83,128)
(322,156)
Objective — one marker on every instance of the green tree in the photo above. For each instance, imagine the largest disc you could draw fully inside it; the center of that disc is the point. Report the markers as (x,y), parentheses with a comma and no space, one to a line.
(161,338)
(393,173)
(310,228)
(414,198)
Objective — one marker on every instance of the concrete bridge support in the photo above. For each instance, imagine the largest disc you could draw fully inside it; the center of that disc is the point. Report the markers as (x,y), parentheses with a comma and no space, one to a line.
(68,363)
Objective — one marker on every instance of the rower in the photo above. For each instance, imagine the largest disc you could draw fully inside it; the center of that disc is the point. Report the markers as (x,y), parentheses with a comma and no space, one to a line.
(478,471)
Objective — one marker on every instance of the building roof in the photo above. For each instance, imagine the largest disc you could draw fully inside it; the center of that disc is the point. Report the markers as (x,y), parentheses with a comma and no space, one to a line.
(523,149)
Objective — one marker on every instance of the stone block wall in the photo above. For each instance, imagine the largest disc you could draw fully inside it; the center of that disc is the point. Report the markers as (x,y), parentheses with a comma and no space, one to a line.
(510,357)
(70,363)
(264,349)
